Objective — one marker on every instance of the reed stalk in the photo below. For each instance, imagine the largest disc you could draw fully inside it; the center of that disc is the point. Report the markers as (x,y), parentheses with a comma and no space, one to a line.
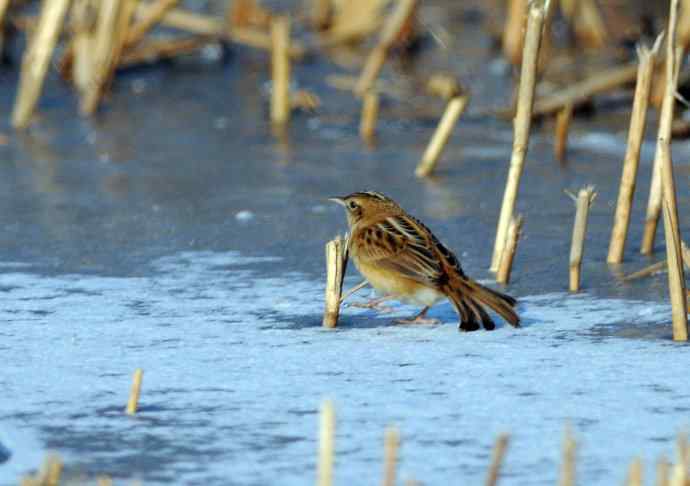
(631,162)
(454,109)
(521,125)
(506,266)
(135,392)
(582,203)
(390,462)
(36,60)
(336,261)
(324,475)
(497,457)
(280,63)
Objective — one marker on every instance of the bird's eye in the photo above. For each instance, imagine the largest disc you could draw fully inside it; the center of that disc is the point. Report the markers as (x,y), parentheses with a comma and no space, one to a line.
(352,205)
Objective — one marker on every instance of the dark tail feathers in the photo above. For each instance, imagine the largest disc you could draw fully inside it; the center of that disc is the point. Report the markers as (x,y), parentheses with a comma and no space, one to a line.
(469,298)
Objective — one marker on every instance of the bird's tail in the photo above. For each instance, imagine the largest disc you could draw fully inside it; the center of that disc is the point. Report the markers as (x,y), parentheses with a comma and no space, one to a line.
(469,298)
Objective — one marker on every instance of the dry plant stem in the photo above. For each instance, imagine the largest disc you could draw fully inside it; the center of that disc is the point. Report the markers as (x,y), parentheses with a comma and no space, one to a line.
(506,265)
(377,57)
(635,473)
(53,470)
(676,277)
(153,15)
(212,27)
(370,113)
(497,459)
(134,393)
(440,138)
(580,92)
(650,270)
(582,203)
(686,254)
(104,481)
(324,474)
(513,33)
(336,260)
(103,52)
(391,444)
(631,162)
(561,132)
(567,477)
(321,12)
(587,23)
(280,67)
(82,42)
(158,49)
(4,4)
(521,127)
(37,59)
(662,472)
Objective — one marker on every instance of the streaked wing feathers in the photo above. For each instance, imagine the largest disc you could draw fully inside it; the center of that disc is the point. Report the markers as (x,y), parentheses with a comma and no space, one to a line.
(399,244)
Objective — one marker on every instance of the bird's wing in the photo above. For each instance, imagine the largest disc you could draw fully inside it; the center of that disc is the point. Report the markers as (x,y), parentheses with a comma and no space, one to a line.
(398,243)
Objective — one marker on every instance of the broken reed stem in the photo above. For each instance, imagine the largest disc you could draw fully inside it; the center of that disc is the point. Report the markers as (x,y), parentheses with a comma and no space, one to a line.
(104,481)
(81,49)
(582,203)
(324,475)
(635,473)
(104,52)
(497,456)
(521,126)
(321,13)
(397,20)
(440,137)
(37,59)
(577,93)
(147,21)
(134,393)
(506,265)
(207,25)
(280,64)
(336,261)
(561,132)
(655,201)
(586,21)
(4,4)
(567,477)
(157,49)
(650,270)
(631,162)
(513,32)
(676,276)
(685,254)
(370,113)
(53,470)
(391,444)
(662,472)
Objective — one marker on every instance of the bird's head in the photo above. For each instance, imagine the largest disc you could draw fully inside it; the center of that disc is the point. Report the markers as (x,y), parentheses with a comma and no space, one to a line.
(360,205)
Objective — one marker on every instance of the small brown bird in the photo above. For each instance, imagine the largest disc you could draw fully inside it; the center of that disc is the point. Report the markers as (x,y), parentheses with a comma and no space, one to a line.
(402,259)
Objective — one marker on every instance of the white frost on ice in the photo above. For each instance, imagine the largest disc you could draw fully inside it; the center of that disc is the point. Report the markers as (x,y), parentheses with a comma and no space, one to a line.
(236,363)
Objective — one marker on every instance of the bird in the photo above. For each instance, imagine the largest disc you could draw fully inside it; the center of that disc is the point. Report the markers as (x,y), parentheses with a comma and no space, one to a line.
(402,259)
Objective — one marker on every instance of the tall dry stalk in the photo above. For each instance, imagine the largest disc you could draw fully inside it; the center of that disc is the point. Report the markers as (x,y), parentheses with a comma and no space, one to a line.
(631,162)
(521,126)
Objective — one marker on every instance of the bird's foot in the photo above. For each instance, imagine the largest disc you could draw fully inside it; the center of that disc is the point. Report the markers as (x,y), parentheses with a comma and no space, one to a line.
(418,320)
(374,304)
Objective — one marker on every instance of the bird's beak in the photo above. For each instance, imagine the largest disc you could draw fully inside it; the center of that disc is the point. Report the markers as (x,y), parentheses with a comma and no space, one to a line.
(338,200)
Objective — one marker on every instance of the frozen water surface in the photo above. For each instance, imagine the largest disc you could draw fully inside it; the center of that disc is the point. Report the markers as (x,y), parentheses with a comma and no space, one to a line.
(236,364)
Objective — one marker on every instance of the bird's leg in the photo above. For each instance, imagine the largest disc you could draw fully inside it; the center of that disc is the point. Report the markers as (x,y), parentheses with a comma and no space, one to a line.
(419,318)
(375,304)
